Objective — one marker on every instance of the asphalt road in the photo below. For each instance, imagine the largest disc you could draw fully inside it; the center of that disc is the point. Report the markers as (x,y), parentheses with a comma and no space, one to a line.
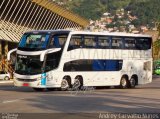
(142,99)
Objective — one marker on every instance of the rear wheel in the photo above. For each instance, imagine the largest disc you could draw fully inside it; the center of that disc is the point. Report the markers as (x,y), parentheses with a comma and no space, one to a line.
(124,83)
(77,83)
(132,82)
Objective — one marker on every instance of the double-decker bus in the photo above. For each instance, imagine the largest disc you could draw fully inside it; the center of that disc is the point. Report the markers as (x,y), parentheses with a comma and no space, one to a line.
(65,59)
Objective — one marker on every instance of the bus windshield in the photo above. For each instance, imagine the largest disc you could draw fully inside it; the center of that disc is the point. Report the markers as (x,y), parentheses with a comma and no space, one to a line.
(28,65)
(38,41)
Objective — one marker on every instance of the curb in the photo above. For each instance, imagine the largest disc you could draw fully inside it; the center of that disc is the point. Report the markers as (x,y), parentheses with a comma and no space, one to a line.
(3,82)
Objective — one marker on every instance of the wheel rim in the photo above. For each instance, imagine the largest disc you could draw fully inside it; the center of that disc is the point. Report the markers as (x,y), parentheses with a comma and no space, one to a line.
(64,84)
(123,82)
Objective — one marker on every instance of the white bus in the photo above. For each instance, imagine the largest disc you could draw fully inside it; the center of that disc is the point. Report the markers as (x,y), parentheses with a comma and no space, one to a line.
(65,59)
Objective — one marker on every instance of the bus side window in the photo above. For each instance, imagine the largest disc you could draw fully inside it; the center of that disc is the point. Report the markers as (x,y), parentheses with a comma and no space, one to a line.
(117,43)
(90,42)
(75,42)
(78,65)
(143,43)
(130,43)
(58,41)
(103,42)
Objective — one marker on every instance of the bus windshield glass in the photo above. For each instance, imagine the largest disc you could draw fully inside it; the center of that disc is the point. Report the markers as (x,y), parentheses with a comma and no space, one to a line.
(34,41)
(28,65)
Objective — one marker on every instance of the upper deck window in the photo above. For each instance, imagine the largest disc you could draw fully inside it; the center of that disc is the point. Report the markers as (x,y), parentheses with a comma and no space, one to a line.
(117,43)
(103,42)
(90,41)
(75,42)
(34,41)
(58,41)
(130,43)
(143,43)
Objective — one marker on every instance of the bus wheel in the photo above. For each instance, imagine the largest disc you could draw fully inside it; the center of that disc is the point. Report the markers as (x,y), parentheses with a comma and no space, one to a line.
(39,89)
(77,84)
(65,85)
(132,82)
(124,83)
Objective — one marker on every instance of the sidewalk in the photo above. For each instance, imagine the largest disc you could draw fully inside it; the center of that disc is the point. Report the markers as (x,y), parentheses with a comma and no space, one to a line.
(3,81)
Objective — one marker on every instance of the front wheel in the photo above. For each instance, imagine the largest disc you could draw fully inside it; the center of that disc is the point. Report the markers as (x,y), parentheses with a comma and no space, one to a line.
(124,83)
(65,85)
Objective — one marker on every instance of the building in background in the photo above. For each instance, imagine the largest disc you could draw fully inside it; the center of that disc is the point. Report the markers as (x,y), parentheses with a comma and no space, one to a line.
(19,16)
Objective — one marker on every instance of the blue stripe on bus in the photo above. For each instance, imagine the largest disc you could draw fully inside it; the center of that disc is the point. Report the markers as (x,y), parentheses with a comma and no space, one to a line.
(105,65)
(43,79)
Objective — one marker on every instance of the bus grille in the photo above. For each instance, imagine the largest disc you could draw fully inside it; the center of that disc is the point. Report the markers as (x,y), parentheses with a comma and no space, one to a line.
(27,80)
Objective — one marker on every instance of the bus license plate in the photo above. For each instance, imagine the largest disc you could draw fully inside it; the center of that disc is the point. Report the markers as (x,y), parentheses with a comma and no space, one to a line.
(25,84)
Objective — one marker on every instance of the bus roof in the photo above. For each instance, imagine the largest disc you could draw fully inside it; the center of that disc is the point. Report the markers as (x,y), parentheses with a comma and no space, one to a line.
(90,33)
(111,34)
(48,31)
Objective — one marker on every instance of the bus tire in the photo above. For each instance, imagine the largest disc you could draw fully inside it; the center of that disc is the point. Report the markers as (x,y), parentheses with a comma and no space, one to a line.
(132,83)
(65,84)
(78,83)
(124,82)
(39,89)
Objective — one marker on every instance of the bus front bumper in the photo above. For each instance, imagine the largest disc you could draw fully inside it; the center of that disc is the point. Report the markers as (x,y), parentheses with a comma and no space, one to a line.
(33,84)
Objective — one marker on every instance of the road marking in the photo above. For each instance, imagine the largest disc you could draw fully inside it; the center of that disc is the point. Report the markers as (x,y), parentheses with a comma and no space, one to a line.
(11,101)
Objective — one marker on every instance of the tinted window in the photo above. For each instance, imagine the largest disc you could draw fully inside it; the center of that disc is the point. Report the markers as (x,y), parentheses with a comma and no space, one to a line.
(75,42)
(130,43)
(143,43)
(78,65)
(90,41)
(52,60)
(93,65)
(103,42)
(58,41)
(117,43)
(28,65)
(34,41)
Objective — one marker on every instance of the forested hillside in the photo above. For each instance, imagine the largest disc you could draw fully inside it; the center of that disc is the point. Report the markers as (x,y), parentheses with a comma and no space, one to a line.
(147,11)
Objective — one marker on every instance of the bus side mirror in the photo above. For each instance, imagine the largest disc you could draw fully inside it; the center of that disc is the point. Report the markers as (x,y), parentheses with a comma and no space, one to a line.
(47,52)
(9,54)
